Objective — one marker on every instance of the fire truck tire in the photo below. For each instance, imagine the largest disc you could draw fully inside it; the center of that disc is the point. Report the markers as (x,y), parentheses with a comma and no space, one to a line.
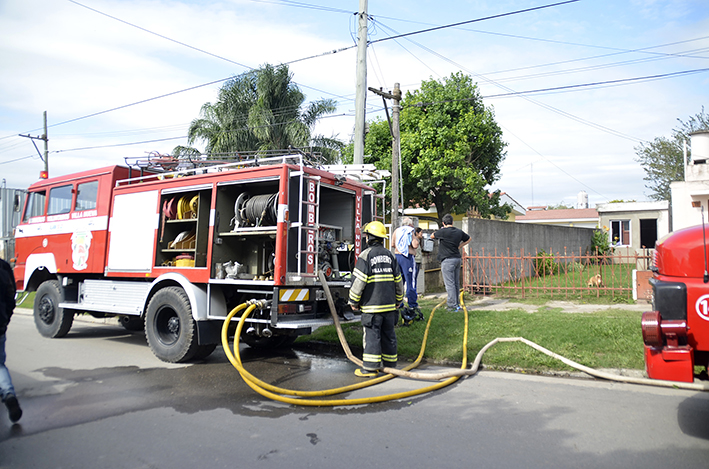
(51,320)
(169,327)
(204,351)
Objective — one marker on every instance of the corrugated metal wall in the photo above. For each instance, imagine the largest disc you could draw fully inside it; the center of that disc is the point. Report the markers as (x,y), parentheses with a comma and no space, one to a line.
(9,219)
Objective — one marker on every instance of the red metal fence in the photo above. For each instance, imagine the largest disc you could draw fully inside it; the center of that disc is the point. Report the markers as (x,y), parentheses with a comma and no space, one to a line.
(566,275)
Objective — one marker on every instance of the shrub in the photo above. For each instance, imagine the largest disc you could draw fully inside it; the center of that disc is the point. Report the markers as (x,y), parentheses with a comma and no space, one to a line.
(600,243)
(544,264)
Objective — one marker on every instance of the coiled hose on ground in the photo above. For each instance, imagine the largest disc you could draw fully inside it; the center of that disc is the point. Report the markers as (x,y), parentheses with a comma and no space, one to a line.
(444,378)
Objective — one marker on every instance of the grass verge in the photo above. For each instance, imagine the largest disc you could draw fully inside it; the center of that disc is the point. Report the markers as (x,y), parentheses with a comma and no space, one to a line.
(603,339)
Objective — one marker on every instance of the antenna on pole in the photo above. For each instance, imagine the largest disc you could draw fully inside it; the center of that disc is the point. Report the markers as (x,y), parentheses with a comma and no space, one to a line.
(704,234)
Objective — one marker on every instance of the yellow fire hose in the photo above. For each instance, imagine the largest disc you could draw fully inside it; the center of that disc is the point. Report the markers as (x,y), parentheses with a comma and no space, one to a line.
(448,376)
(279,394)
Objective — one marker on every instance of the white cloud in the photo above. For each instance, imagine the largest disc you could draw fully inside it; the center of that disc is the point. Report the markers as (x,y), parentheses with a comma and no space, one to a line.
(73,62)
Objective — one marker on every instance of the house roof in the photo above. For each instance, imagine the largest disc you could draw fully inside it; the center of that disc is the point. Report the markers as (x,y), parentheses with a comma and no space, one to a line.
(567,214)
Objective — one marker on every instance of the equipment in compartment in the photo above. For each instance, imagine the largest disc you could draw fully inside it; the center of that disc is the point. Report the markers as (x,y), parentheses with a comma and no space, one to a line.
(257,210)
(327,253)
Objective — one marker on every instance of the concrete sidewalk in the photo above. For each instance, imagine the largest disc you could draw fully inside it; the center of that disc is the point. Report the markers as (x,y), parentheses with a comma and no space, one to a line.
(501,304)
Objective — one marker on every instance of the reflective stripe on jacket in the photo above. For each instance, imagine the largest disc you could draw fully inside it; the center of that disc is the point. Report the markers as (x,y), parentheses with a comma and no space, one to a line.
(377,285)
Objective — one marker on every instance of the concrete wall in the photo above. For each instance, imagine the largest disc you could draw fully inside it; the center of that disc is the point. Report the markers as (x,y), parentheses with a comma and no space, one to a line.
(487,236)
(9,219)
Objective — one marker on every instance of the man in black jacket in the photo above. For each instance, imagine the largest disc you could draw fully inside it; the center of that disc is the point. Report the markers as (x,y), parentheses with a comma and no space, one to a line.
(7,307)
(377,290)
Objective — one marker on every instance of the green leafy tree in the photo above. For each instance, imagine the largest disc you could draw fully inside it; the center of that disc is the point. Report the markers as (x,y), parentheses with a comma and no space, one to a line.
(259,111)
(451,148)
(663,158)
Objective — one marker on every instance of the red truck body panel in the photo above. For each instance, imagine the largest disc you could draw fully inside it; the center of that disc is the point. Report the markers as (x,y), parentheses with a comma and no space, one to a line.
(680,293)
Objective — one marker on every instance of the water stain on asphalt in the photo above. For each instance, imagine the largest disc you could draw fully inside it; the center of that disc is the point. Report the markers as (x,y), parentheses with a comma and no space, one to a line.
(91,394)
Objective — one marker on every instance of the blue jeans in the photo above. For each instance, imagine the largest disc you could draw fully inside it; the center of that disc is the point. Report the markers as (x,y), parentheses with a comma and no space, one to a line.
(450,268)
(408,270)
(6,387)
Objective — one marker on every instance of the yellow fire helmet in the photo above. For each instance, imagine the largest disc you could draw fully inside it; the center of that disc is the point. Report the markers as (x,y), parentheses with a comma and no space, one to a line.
(376,228)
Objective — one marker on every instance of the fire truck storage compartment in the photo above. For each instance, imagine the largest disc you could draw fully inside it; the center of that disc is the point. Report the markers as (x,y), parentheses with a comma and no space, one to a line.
(245,229)
(184,228)
(335,215)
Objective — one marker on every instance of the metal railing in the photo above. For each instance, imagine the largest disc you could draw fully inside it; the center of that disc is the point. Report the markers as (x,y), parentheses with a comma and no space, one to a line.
(562,275)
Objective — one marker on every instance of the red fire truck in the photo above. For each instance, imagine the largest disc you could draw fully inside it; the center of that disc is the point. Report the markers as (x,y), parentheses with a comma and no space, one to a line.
(174,251)
(676,333)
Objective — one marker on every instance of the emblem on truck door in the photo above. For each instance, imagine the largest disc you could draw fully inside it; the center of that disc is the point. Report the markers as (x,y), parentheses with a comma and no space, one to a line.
(702,307)
(80,244)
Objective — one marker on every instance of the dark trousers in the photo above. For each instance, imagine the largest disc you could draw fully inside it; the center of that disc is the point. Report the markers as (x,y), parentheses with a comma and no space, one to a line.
(379,340)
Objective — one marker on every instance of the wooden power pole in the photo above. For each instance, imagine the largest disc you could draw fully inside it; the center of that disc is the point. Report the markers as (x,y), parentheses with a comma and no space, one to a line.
(395,149)
(361,89)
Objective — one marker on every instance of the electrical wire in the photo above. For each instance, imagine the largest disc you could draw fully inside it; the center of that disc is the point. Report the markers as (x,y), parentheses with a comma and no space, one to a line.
(501,15)
(527,98)
(308,6)
(251,68)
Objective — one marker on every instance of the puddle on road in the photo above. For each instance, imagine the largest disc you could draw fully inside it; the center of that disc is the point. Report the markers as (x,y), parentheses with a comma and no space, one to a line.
(93,394)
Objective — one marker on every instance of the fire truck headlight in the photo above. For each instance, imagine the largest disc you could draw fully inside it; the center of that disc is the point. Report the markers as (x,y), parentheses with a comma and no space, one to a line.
(652,333)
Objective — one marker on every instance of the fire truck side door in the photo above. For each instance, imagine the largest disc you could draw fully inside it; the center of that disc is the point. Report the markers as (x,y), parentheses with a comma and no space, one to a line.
(133,227)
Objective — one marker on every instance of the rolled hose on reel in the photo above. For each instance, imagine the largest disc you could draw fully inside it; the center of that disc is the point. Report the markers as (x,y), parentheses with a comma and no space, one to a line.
(257,210)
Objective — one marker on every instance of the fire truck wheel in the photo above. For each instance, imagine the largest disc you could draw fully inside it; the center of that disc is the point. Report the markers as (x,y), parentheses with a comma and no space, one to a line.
(204,351)
(169,326)
(51,320)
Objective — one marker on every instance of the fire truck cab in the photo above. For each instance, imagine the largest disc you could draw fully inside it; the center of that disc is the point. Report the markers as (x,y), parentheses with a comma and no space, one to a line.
(174,252)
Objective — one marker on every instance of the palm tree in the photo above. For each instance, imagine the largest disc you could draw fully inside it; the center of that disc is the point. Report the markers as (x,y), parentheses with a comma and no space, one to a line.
(258,111)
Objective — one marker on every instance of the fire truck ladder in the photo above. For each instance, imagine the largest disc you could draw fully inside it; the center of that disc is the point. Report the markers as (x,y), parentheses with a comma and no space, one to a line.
(302,224)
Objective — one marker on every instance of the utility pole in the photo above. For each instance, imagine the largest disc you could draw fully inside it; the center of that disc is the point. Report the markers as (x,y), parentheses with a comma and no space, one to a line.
(395,149)
(361,91)
(44,174)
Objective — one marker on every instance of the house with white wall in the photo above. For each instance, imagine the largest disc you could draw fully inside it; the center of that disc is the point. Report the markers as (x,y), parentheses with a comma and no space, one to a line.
(690,198)
(633,227)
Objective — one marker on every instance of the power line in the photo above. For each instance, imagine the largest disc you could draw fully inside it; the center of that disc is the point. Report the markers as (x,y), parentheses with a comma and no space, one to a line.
(250,68)
(596,84)
(554,164)
(278,124)
(527,98)
(120,144)
(160,35)
(501,15)
(18,159)
(304,5)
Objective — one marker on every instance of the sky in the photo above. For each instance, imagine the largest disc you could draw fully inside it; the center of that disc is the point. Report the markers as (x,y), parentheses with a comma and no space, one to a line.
(122,78)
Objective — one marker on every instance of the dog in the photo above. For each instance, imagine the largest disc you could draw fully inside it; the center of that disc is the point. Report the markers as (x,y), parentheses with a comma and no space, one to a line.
(596,281)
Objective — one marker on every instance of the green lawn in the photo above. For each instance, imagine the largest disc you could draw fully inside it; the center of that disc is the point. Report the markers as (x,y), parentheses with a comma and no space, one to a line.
(570,282)
(604,339)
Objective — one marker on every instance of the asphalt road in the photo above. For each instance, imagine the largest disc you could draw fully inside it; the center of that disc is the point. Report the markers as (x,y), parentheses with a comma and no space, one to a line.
(98,398)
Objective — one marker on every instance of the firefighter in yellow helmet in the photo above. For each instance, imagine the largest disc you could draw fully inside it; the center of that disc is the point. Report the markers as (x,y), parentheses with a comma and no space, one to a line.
(377,290)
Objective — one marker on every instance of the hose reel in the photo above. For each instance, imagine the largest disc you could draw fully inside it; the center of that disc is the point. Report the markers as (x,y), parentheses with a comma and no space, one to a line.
(257,210)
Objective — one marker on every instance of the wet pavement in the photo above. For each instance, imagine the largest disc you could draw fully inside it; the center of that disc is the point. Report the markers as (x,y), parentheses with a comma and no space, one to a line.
(99,398)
